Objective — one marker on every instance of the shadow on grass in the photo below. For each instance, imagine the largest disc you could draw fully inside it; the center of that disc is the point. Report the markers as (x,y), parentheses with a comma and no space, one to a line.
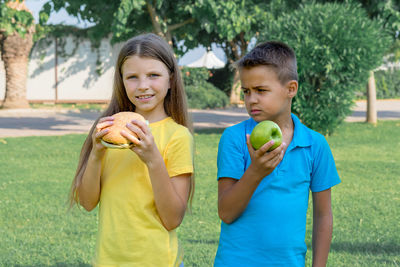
(209,242)
(209,130)
(370,248)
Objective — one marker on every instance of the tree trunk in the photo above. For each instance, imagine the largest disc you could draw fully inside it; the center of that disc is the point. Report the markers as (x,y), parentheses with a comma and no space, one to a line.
(155,21)
(235,45)
(15,55)
(372,116)
(235,91)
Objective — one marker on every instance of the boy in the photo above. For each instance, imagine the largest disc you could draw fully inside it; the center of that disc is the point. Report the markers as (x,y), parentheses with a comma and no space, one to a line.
(263,196)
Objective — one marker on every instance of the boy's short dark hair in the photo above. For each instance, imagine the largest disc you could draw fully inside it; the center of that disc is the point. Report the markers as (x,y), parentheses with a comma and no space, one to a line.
(273,54)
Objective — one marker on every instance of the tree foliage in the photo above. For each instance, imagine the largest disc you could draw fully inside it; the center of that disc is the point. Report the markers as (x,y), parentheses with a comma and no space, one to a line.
(125,18)
(387,12)
(336,46)
(12,20)
(165,18)
(231,24)
(100,13)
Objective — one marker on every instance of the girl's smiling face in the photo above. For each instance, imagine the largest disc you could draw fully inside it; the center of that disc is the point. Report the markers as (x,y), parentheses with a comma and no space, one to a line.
(146,83)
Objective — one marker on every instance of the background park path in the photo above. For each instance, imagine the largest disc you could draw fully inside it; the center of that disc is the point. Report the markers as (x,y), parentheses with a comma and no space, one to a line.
(42,122)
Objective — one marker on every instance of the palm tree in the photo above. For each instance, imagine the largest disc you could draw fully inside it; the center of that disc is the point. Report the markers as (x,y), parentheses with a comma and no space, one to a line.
(15,48)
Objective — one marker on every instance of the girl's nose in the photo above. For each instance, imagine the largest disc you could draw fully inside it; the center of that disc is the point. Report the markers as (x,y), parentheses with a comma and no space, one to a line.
(143,84)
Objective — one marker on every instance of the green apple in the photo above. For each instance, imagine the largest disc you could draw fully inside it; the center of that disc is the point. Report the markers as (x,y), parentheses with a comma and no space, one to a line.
(264,132)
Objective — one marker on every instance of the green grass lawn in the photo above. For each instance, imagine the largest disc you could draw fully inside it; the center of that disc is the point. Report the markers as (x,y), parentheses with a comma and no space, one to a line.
(36,229)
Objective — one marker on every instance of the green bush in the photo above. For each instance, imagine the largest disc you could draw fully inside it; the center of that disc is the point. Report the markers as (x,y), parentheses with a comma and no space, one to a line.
(387,84)
(200,93)
(205,96)
(336,46)
(194,76)
(223,78)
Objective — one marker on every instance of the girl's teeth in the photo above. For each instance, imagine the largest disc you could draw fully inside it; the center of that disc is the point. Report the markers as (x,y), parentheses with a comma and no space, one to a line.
(144,97)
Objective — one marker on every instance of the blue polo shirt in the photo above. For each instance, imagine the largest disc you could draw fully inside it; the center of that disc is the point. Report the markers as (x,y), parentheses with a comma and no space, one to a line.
(271,230)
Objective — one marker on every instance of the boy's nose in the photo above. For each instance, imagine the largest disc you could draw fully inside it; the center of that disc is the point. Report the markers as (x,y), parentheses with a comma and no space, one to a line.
(252,98)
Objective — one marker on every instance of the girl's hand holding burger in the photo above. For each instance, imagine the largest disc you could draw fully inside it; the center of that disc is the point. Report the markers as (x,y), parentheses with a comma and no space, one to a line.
(142,139)
(125,130)
(101,130)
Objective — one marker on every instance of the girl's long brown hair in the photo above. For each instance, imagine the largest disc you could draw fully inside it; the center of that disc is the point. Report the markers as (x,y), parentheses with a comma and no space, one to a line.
(147,46)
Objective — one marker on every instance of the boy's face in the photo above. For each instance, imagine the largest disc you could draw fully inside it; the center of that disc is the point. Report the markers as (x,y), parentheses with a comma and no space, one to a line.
(264,95)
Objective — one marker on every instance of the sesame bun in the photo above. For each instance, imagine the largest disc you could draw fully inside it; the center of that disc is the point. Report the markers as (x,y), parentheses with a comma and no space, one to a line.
(114,139)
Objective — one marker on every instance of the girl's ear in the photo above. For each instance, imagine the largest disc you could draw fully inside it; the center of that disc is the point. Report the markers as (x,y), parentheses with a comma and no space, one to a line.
(292,87)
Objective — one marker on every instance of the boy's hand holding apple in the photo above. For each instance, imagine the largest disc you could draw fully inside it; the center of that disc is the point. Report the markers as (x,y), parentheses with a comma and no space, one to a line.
(266,138)
(264,132)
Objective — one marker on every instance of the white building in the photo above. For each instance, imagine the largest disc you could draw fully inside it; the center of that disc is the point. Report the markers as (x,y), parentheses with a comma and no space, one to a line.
(68,77)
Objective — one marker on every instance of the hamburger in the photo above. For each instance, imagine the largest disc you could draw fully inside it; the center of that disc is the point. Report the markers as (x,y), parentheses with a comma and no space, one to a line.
(114,139)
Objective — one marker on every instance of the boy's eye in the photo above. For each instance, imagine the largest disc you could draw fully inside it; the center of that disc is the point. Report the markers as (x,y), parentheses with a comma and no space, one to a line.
(245,91)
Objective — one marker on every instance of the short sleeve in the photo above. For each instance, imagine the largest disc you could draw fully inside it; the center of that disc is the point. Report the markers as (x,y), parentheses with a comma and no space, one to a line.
(231,158)
(324,172)
(179,153)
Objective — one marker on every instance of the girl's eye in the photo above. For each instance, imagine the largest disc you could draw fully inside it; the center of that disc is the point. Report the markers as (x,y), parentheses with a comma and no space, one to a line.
(154,75)
(131,77)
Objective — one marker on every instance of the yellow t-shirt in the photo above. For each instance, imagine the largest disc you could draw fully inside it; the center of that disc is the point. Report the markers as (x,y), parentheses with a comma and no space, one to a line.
(130,229)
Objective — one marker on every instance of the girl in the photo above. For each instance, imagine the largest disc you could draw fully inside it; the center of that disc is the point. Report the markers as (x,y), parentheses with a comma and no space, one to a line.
(143,191)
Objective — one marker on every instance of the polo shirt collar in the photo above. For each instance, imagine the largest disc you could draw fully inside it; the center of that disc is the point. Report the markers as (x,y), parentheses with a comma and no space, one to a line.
(301,134)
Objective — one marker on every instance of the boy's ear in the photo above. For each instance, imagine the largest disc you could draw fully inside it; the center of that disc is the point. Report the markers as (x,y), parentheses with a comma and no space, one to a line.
(292,87)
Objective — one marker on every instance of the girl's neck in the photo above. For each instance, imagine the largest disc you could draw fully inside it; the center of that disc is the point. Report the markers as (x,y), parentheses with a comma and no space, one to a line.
(154,117)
